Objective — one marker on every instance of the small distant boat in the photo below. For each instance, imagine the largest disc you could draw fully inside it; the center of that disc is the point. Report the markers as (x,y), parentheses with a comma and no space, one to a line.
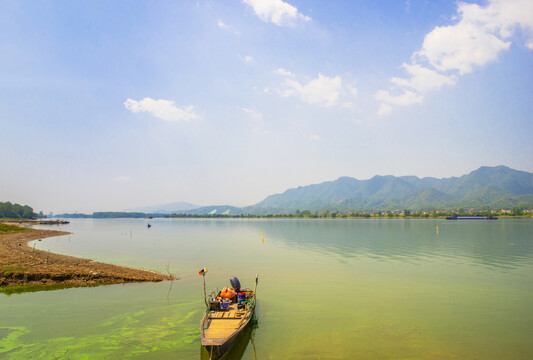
(227,314)
(471,217)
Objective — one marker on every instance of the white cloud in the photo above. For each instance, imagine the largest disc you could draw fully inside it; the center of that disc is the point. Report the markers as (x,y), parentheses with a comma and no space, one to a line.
(226,27)
(384,109)
(476,39)
(162,109)
(405,99)
(323,90)
(283,72)
(222,25)
(422,79)
(501,17)
(247,58)
(253,113)
(277,12)
(461,47)
(479,35)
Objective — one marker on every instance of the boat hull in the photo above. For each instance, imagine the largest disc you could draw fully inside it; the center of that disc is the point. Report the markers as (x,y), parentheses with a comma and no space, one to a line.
(218,347)
(218,351)
(455,217)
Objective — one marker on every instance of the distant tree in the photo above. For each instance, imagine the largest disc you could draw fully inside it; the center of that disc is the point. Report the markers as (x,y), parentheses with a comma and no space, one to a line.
(406,212)
(16,211)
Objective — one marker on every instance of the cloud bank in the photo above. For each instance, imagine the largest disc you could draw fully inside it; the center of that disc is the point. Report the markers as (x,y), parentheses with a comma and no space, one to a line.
(478,37)
(277,12)
(162,109)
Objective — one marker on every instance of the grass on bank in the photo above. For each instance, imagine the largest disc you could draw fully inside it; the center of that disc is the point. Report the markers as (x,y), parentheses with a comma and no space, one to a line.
(9,229)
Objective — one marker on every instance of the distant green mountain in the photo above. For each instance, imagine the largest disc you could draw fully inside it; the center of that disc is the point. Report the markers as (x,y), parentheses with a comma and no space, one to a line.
(486,187)
(427,198)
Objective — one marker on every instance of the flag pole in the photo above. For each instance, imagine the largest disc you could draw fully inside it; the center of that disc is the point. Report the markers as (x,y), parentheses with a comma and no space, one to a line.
(202,272)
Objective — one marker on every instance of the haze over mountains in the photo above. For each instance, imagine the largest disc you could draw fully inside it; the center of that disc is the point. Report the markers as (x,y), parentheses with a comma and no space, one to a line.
(486,187)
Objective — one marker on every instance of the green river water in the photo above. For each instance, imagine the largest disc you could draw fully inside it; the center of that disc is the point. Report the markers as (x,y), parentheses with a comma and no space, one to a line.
(328,289)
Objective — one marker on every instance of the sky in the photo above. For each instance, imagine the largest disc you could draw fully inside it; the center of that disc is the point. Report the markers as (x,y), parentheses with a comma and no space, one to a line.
(111,105)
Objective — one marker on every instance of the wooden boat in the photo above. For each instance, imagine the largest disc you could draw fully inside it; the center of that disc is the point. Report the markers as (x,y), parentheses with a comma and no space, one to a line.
(222,323)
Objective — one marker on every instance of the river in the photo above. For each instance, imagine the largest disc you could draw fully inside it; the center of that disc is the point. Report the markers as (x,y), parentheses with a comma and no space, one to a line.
(328,289)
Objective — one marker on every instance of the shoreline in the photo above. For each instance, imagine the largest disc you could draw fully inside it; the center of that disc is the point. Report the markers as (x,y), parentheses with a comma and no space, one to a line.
(22,265)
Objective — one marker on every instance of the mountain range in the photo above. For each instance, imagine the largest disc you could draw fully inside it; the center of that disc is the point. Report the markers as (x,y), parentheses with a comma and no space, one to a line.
(486,187)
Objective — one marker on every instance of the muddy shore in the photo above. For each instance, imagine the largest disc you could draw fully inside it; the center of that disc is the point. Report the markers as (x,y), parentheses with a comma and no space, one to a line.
(20,264)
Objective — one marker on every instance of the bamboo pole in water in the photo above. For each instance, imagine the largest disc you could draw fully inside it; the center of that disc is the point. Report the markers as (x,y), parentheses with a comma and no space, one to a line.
(205,297)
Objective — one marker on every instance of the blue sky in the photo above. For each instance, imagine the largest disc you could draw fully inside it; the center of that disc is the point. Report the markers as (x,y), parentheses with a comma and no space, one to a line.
(109,105)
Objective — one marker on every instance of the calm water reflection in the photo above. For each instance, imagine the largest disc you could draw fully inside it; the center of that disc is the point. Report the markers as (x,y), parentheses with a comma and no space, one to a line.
(504,243)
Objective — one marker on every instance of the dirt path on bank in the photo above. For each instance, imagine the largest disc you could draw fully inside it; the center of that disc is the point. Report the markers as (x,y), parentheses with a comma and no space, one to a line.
(23,265)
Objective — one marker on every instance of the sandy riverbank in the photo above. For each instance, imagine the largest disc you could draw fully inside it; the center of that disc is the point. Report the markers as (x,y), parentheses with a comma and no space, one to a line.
(22,265)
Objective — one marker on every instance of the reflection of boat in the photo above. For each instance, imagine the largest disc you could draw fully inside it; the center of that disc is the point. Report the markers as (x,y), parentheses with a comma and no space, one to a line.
(471,217)
(228,313)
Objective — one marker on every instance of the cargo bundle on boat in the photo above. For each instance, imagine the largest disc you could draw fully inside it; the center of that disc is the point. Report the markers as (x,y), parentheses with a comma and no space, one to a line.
(228,312)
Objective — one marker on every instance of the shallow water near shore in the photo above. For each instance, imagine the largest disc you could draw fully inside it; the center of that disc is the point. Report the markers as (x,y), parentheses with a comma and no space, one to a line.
(330,289)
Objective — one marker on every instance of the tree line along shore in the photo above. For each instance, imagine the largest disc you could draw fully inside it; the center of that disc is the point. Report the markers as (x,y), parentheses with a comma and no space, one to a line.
(514,212)
(21,264)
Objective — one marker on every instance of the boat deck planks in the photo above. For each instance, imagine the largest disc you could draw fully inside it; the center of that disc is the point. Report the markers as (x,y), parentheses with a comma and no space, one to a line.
(222,324)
